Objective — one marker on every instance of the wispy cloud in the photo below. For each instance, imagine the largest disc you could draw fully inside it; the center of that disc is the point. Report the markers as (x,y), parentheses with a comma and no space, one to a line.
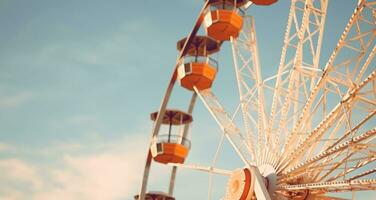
(14,100)
(6,148)
(97,172)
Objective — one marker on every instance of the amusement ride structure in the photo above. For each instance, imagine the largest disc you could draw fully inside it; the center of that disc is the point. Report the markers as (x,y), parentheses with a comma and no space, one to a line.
(319,137)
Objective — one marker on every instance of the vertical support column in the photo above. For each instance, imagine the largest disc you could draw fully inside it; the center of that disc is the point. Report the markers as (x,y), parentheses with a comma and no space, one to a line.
(172,181)
(184,135)
(157,126)
(261,191)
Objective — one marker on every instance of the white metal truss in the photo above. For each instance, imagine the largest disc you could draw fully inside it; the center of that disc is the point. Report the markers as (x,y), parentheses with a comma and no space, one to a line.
(312,136)
(250,85)
(352,64)
(320,135)
(299,66)
(334,144)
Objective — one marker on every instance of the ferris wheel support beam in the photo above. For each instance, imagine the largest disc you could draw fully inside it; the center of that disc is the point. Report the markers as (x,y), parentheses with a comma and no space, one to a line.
(203,168)
(227,126)
(166,98)
(214,161)
(346,42)
(243,106)
(261,191)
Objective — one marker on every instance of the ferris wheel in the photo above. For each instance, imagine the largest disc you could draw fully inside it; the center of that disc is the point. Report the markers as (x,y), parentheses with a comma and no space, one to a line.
(317,137)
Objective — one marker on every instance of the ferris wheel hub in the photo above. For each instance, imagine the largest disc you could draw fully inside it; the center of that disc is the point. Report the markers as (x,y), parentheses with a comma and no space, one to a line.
(240,185)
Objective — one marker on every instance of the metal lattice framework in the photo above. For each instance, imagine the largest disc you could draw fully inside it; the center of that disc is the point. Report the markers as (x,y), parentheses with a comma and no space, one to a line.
(319,135)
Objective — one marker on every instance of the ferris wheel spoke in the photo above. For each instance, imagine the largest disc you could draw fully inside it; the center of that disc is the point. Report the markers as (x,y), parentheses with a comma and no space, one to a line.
(337,166)
(303,36)
(361,154)
(340,69)
(310,141)
(214,161)
(330,145)
(366,173)
(210,186)
(328,160)
(341,147)
(342,78)
(366,65)
(248,74)
(231,131)
(348,170)
(331,163)
(334,186)
(321,170)
(345,119)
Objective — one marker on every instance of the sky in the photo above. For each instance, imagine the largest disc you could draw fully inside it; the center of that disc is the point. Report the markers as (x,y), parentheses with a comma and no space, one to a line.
(79,78)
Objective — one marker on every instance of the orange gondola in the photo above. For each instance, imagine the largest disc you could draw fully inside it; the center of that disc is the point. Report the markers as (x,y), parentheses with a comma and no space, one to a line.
(171,148)
(197,68)
(263,2)
(156,196)
(224,19)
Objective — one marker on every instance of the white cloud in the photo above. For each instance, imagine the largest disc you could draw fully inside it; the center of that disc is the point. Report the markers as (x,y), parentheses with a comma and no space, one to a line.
(6,148)
(109,171)
(18,171)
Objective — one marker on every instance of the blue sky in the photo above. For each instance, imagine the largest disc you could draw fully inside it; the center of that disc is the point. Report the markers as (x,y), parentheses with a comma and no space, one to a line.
(78,80)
